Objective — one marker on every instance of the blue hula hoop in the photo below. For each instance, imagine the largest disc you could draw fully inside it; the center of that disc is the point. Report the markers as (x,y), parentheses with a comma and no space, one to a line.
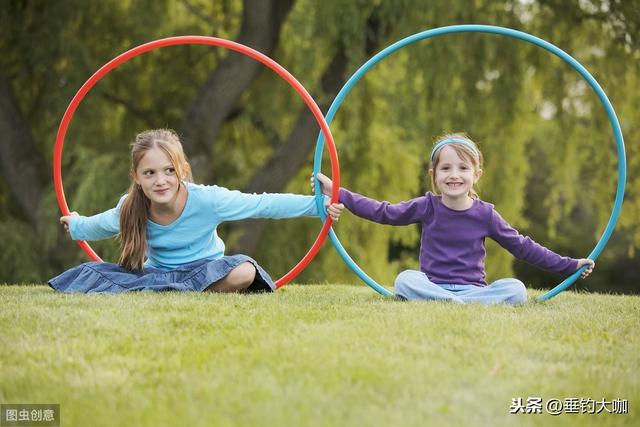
(617,132)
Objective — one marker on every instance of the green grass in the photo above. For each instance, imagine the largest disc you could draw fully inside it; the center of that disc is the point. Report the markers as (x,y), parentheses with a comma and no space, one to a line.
(314,355)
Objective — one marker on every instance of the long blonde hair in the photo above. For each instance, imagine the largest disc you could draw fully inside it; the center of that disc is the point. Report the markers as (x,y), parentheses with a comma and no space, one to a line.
(134,212)
(463,151)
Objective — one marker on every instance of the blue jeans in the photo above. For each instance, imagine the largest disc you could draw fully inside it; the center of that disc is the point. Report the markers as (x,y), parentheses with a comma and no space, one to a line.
(415,285)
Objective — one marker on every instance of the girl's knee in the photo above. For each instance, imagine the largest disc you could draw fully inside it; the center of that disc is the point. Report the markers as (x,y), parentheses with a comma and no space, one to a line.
(519,291)
(243,275)
(404,281)
(401,279)
(513,290)
(238,279)
(406,276)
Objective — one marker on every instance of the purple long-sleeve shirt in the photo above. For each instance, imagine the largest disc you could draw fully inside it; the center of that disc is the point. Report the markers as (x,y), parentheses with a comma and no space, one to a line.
(452,247)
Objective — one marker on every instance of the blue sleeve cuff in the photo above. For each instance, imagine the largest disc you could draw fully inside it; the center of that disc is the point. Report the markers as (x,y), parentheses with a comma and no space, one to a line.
(73,227)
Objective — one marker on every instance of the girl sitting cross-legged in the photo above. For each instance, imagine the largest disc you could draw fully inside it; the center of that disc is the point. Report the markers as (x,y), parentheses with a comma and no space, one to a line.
(167,228)
(455,223)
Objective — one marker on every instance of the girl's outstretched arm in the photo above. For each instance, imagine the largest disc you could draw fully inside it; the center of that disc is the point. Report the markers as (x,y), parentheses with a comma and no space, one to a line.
(233,205)
(96,227)
(526,249)
(403,213)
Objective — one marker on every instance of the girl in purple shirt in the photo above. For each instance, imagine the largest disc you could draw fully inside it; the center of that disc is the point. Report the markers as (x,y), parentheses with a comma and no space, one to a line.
(455,223)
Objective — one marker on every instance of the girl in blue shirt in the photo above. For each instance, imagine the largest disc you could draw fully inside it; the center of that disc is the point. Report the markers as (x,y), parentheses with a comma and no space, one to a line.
(167,228)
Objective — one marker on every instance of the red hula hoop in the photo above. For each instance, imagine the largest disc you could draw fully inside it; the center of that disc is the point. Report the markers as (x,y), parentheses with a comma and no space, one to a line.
(212,41)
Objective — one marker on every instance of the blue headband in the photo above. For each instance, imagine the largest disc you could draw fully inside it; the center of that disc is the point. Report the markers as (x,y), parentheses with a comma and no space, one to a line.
(462,141)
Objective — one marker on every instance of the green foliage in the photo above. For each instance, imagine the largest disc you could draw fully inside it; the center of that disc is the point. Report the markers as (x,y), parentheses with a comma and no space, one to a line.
(20,255)
(550,160)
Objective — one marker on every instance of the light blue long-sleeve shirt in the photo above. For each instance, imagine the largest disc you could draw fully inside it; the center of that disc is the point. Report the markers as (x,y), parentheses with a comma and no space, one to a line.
(193,236)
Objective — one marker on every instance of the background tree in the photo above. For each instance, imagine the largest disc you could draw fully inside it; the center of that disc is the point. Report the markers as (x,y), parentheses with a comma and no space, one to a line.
(550,158)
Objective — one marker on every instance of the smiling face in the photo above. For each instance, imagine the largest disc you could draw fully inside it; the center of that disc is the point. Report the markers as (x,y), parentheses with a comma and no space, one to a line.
(454,175)
(157,177)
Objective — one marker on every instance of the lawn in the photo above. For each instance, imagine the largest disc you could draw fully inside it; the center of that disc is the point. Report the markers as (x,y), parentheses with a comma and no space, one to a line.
(319,355)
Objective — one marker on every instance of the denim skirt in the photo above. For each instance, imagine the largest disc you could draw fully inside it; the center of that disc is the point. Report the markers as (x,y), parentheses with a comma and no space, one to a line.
(106,277)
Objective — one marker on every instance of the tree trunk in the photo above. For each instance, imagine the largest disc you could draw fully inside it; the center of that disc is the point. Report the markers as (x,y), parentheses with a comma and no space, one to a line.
(22,166)
(261,23)
(287,159)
